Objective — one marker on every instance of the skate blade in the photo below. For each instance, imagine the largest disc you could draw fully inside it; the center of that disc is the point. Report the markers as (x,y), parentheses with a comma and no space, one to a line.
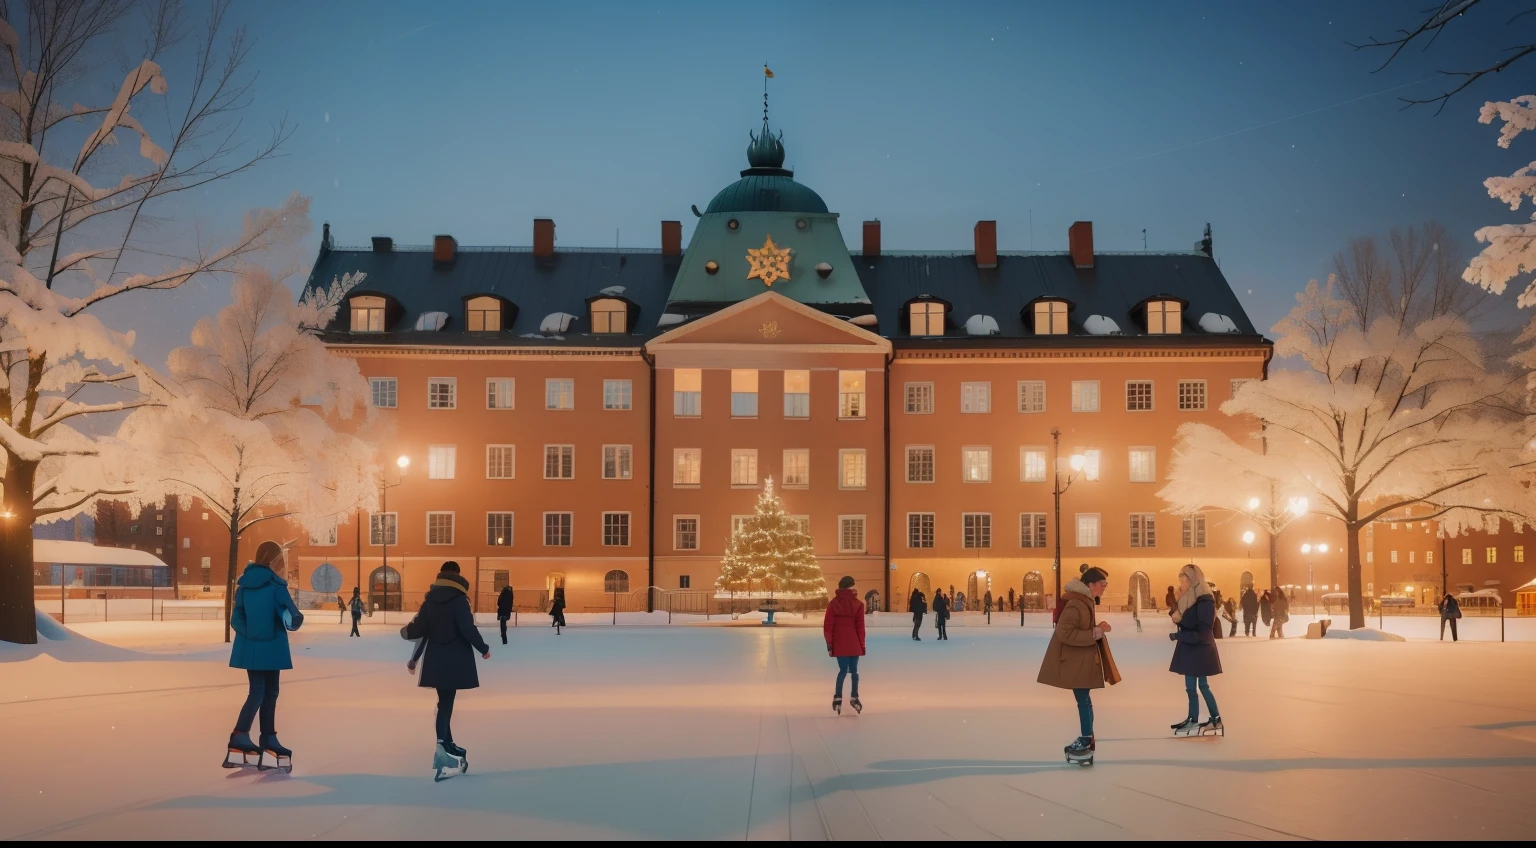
(237,758)
(282,764)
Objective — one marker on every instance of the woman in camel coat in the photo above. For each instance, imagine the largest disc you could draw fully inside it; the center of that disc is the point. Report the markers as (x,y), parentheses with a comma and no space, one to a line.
(1077,657)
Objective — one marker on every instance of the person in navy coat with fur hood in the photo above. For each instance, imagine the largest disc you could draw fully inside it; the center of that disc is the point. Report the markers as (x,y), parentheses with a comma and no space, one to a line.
(1194,654)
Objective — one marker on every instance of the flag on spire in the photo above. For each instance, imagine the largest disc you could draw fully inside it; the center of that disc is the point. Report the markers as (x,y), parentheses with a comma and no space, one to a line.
(767,73)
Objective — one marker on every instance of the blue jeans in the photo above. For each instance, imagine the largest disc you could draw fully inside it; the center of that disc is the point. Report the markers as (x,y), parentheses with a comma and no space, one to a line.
(1190,682)
(1084,711)
(845,667)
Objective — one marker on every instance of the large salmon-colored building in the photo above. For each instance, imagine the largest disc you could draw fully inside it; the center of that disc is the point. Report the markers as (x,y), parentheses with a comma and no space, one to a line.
(599,419)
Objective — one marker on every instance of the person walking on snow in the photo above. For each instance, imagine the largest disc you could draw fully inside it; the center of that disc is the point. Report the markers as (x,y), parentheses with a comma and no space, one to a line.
(940,614)
(1171,600)
(261,615)
(1229,612)
(557,610)
(1194,654)
(1280,613)
(357,611)
(918,605)
(1250,612)
(447,626)
(1078,657)
(1450,611)
(504,610)
(341,607)
(843,628)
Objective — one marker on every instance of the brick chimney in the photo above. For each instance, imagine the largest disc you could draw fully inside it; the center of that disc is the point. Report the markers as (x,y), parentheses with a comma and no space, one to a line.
(871,239)
(543,237)
(1080,242)
(445,249)
(671,238)
(986,244)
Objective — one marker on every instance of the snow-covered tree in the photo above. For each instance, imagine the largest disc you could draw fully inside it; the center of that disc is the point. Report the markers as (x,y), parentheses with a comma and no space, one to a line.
(251,432)
(1511,248)
(73,206)
(769,551)
(1379,417)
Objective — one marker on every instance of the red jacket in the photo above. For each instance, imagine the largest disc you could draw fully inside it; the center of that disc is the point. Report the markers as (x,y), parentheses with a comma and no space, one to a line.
(844,625)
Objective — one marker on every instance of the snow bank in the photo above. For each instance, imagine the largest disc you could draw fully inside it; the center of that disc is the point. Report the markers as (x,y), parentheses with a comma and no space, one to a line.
(1365,634)
(57,641)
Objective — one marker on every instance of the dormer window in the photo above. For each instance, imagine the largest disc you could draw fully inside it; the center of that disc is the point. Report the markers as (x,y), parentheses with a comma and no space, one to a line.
(367,314)
(927,318)
(483,315)
(1050,317)
(610,315)
(1164,317)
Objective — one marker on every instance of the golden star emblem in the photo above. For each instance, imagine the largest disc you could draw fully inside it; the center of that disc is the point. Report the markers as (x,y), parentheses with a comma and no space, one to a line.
(770,263)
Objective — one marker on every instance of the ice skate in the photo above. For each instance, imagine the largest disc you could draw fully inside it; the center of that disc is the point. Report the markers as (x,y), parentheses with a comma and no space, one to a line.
(1080,752)
(450,761)
(857,707)
(837,705)
(282,758)
(249,752)
(1213,727)
(1187,727)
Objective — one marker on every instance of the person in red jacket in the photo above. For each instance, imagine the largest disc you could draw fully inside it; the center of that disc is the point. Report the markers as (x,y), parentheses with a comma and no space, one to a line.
(844,630)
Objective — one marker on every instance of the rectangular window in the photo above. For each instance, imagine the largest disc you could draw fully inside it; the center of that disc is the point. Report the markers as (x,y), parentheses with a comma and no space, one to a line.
(439,528)
(616,529)
(320,536)
(920,464)
(1370,557)
(743,467)
(685,533)
(684,581)
(850,534)
(687,392)
(1143,530)
(1031,396)
(1085,395)
(743,393)
(976,397)
(616,462)
(919,398)
(367,314)
(559,462)
(801,524)
(1191,395)
(1091,464)
(1519,553)
(1413,556)
(685,466)
(1491,555)
(501,393)
(186,541)
(738,522)
(919,529)
(976,529)
(557,529)
(797,394)
(1031,529)
(976,464)
(1138,395)
(1466,556)
(1143,465)
(1429,558)
(1193,531)
(1238,384)
(854,469)
(500,462)
(1163,316)
(797,468)
(1088,530)
(618,394)
(926,319)
(850,394)
(559,393)
(385,391)
(1393,556)
(442,392)
(498,529)
(1032,465)
(441,460)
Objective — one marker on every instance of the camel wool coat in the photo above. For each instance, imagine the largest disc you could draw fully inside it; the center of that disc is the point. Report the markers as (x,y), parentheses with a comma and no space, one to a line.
(1075,659)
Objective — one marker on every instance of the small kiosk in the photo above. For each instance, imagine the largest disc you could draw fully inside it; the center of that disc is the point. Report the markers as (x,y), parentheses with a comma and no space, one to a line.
(1525,599)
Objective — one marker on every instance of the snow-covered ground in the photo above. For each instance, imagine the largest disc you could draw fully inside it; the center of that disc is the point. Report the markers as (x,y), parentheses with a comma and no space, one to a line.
(725,732)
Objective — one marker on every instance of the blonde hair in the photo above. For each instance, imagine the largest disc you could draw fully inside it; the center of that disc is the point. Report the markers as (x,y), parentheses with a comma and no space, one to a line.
(1197,588)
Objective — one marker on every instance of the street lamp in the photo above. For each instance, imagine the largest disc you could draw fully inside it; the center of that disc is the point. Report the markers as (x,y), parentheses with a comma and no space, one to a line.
(1077,462)
(1248,538)
(1274,519)
(403,462)
(1307,549)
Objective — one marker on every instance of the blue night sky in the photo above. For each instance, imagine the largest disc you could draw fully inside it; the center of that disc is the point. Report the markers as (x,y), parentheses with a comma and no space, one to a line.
(472,119)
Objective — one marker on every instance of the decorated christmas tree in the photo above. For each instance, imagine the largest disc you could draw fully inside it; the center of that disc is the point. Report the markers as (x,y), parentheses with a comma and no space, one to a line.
(770,553)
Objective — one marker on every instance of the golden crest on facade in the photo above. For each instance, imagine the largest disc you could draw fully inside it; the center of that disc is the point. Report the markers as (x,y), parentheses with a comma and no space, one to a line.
(770,263)
(769,330)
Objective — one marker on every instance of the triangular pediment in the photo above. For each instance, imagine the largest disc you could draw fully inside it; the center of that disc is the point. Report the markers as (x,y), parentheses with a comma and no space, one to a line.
(772,319)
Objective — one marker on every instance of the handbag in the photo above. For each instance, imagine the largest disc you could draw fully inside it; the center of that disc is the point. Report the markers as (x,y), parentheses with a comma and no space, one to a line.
(1107,659)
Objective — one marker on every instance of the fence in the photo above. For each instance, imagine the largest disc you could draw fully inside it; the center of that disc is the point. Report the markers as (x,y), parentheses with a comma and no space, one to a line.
(79,610)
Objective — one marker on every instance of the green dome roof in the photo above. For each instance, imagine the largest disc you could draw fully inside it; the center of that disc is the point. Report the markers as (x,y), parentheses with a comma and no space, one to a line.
(766,186)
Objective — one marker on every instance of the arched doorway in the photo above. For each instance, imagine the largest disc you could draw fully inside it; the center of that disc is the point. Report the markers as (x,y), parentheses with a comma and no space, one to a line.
(1141,590)
(871,602)
(1246,582)
(1034,591)
(976,587)
(384,589)
(616,582)
(921,583)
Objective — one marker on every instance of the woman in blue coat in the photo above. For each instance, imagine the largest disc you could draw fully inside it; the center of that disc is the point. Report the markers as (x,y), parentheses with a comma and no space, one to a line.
(262,614)
(1194,654)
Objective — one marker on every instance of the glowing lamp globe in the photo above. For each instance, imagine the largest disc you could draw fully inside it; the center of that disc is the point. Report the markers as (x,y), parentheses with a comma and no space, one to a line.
(1323,548)
(403,462)
(1253,503)
(1077,461)
(1247,537)
(1306,549)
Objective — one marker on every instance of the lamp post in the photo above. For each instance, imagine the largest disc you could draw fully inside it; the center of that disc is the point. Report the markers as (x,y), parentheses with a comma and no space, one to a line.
(1307,550)
(403,462)
(1274,520)
(1057,489)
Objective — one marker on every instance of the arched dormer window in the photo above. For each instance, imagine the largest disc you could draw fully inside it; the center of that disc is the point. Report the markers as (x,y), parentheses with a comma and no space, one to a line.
(1165,316)
(925,315)
(367,314)
(1049,316)
(482,314)
(610,315)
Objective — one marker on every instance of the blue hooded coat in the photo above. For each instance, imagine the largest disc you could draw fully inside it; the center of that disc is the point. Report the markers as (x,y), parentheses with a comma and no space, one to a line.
(261,639)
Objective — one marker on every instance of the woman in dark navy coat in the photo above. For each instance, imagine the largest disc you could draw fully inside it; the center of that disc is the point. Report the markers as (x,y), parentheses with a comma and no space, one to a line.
(1194,654)
(448,626)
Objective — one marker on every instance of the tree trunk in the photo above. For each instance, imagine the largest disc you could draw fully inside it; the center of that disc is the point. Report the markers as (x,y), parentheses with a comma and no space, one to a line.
(234,556)
(1352,546)
(18,611)
(1274,560)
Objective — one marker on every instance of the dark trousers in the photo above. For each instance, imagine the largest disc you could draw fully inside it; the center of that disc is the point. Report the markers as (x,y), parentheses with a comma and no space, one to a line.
(503,630)
(938,623)
(262,696)
(1250,627)
(1454,638)
(1084,711)
(558,619)
(1233,631)
(1193,682)
(845,667)
(355,620)
(445,714)
(917,621)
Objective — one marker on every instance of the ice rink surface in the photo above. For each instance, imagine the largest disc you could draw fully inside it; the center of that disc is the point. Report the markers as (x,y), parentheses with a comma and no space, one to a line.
(726,732)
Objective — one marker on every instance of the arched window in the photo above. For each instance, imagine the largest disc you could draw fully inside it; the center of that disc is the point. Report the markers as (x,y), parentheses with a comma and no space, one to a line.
(927,318)
(367,314)
(610,315)
(483,315)
(1246,582)
(1034,590)
(1050,318)
(1141,590)
(384,588)
(1164,317)
(616,581)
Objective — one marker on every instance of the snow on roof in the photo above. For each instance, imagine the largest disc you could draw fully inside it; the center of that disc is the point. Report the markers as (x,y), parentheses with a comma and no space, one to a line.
(1530,585)
(612,291)
(52,551)
(864,320)
(1211,322)
(1100,325)
(431,321)
(981,325)
(667,319)
(556,322)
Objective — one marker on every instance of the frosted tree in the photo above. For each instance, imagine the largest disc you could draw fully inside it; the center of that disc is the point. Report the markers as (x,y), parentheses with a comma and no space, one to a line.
(73,207)
(1511,248)
(770,551)
(1379,417)
(251,432)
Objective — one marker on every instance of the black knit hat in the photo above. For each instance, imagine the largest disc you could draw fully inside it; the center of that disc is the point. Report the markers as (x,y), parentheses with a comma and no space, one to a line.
(1093,575)
(450,567)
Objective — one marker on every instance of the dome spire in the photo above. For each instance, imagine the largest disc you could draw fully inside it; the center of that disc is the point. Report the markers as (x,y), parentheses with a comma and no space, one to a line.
(765,155)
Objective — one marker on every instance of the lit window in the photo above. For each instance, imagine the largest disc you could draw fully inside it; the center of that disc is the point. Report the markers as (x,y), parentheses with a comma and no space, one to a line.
(920,464)
(850,533)
(1392,555)
(610,315)
(1370,557)
(797,468)
(850,395)
(442,392)
(1193,531)
(976,464)
(919,529)
(559,462)
(1143,465)
(743,467)
(1519,553)
(743,393)
(1164,317)
(976,530)
(439,528)
(500,462)
(976,397)
(1085,395)
(1032,465)
(797,394)
(1031,529)
(1091,464)
(322,536)
(919,398)
(385,391)
(1466,556)
(484,315)
(559,394)
(685,466)
(1191,395)
(186,541)
(1031,396)
(618,394)
(1413,556)
(557,529)
(616,581)
(501,393)
(687,385)
(1143,530)
(1429,558)
(616,531)
(1490,555)
(440,461)
(1050,318)
(617,462)
(498,529)
(685,533)
(854,468)
(927,318)
(1138,396)
(367,314)
(1087,530)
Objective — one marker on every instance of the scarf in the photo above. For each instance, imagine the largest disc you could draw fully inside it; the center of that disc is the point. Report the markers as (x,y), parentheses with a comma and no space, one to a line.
(452,581)
(1197,588)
